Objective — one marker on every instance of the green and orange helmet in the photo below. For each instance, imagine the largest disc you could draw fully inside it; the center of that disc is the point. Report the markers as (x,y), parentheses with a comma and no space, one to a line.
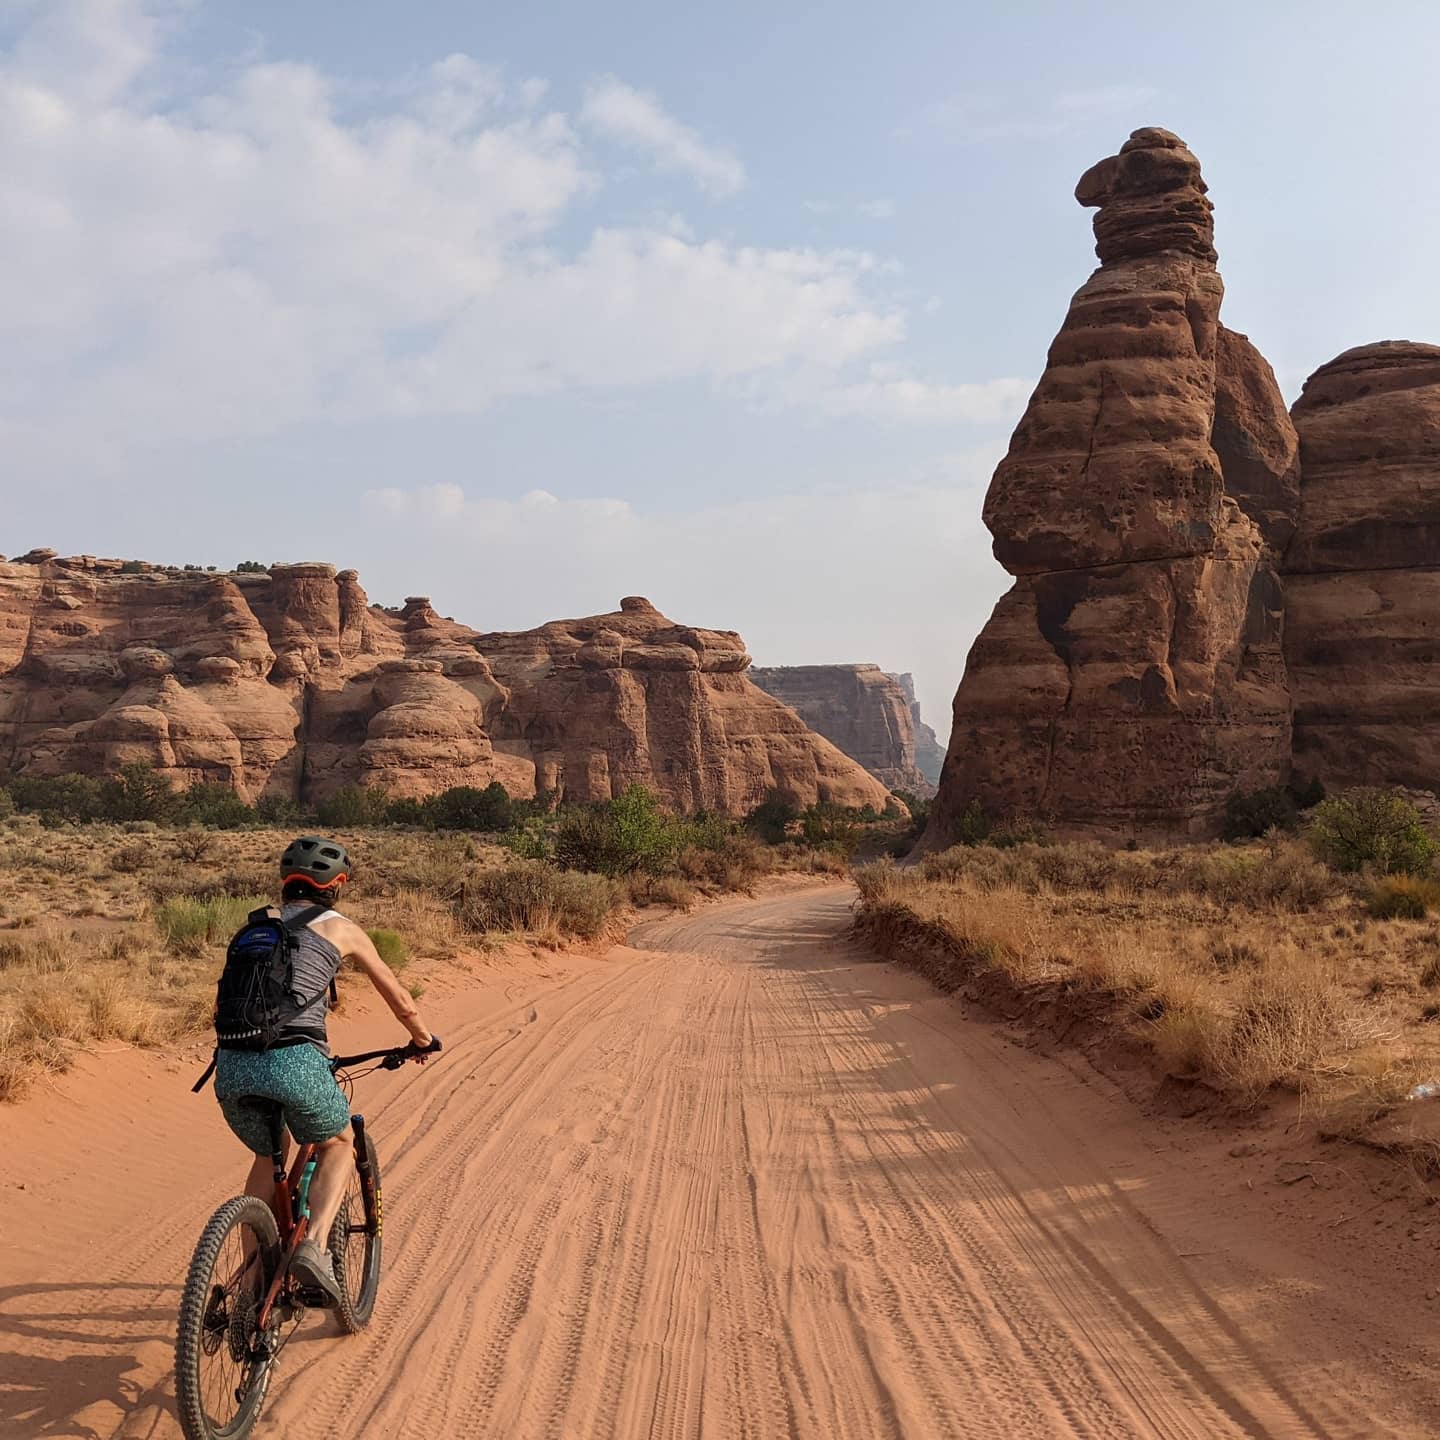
(315,860)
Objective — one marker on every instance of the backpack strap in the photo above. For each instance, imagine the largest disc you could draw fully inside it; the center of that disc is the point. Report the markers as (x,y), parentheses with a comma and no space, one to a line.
(300,922)
(199,1085)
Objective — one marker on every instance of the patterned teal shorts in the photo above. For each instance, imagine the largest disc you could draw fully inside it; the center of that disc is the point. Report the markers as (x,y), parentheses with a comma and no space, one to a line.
(298,1076)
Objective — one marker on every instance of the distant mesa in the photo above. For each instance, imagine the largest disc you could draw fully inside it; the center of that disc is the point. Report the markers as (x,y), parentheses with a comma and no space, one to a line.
(871,715)
(1210,593)
(289,682)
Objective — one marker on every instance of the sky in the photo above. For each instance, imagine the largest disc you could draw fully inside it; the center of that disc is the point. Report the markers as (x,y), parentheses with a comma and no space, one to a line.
(528,308)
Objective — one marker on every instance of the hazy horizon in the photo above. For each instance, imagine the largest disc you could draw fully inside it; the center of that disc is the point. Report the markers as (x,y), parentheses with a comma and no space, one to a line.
(735,310)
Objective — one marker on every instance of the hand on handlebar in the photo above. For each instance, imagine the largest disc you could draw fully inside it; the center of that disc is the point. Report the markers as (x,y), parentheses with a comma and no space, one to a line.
(413,1051)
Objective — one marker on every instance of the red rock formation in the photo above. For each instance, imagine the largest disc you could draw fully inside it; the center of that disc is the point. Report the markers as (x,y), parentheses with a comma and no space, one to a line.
(858,708)
(604,702)
(1363,570)
(929,752)
(1133,679)
(291,683)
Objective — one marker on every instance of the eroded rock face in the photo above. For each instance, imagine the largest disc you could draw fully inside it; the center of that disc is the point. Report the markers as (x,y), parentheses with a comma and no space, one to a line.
(603,702)
(291,683)
(859,708)
(1363,569)
(1133,678)
(929,752)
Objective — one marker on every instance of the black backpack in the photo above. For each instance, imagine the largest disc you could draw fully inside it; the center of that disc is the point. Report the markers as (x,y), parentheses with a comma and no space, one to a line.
(255,1000)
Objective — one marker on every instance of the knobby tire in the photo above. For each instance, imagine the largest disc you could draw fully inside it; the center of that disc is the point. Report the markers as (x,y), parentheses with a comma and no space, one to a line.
(356,1251)
(198,1338)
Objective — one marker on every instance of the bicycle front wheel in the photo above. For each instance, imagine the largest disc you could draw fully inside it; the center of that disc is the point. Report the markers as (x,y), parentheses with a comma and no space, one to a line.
(355,1247)
(222,1369)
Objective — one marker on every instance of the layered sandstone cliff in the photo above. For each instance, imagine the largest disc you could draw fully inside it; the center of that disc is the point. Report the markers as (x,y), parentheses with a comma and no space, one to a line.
(1363,569)
(290,682)
(929,752)
(1133,677)
(864,711)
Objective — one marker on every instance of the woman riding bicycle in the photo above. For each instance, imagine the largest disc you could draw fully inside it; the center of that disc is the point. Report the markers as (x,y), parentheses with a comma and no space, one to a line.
(296,1073)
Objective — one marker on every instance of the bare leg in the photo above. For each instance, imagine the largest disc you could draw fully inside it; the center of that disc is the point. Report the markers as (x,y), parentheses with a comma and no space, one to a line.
(334,1163)
(260,1182)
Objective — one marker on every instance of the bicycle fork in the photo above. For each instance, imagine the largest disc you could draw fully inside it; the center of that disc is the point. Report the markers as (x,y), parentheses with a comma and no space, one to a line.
(369,1195)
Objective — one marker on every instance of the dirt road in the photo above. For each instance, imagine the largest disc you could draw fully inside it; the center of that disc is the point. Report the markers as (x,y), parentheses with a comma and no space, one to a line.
(741,1182)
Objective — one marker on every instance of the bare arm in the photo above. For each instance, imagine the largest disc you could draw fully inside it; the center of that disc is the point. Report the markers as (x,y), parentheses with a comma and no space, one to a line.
(354,944)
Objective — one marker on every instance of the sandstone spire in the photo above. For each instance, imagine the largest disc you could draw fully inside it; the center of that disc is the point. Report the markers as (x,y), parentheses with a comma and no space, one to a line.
(1132,677)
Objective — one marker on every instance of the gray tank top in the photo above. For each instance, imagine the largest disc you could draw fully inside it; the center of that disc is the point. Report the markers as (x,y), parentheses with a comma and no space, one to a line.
(316,964)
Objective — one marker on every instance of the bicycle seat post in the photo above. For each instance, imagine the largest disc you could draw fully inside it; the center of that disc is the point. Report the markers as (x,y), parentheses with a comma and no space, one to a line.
(277,1148)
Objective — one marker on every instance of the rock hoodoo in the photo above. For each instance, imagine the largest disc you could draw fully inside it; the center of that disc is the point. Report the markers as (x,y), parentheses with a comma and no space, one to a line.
(1133,677)
(291,683)
(1362,590)
(868,714)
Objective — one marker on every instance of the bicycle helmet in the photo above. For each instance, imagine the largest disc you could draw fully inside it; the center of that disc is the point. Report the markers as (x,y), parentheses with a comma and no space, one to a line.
(316,860)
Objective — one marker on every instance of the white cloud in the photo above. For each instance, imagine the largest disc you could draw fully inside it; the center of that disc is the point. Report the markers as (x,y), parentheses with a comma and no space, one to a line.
(88,49)
(903,540)
(622,113)
(182,270)
(877,209)
(900,398)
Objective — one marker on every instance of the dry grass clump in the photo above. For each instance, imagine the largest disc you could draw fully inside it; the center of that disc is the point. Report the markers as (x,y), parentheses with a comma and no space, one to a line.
(670,891)
(114,934)
(193,925)
(1249,967)
(538,899)
(1282,874)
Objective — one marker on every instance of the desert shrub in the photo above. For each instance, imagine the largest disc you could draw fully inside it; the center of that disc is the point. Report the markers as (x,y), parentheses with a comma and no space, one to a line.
(1259,812)
(668,890)
(131,857)
(832,827)
(1403,897)
(535,897)
(621,836)
(732,862)
(408,810)
(278,810)
(391,947)
(352,806)
(191,922)
(7,805)
(532,839)
(137,793)
(195,845)
(919,809)
(973,825)
(1007,834)
(464,807)
(251,567)
(56,798)
(217,805)
(1378,828)
(772,818)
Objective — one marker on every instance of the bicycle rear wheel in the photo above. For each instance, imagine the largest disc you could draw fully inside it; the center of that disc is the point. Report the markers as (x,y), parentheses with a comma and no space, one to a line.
(222,1371)
(355,1248)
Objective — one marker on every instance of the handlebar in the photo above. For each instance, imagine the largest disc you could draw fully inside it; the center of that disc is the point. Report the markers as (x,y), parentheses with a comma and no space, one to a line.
(391,1059)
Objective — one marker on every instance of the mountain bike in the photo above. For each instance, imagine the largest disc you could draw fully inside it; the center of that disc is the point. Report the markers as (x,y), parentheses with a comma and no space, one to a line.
(241,1305)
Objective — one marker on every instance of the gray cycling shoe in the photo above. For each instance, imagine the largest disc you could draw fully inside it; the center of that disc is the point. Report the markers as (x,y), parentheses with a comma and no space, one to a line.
(315,1270)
